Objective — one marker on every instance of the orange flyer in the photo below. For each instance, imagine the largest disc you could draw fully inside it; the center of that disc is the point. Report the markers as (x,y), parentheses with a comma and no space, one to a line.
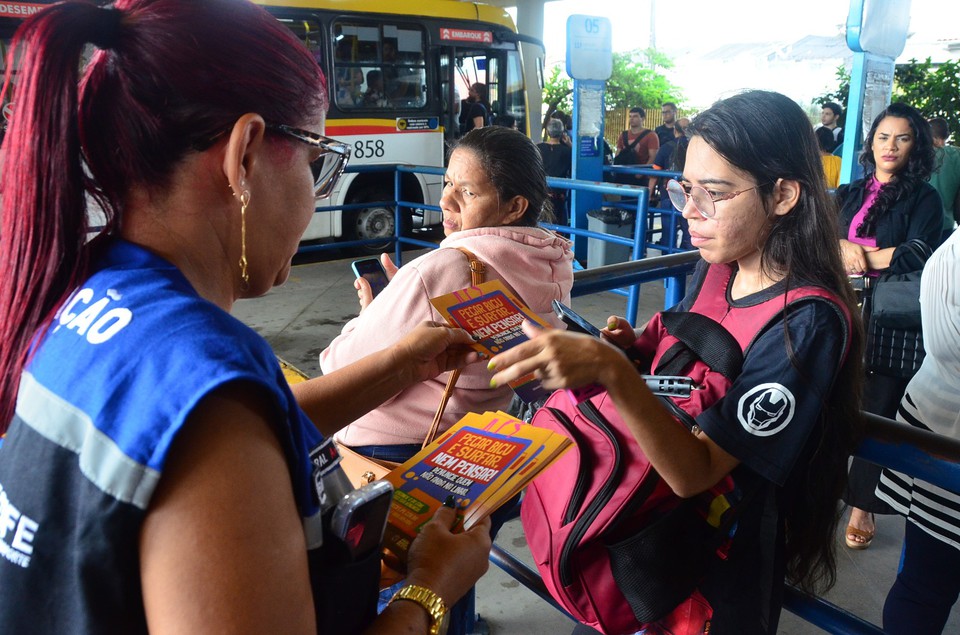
(493,315)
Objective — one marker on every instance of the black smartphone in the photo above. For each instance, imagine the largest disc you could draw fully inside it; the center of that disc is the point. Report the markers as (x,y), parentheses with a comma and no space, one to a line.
(360,518)
(574,321)
(372,271)
(670,386)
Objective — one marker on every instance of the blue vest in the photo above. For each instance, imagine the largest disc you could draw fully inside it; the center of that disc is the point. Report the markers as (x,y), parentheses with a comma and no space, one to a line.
(109,386)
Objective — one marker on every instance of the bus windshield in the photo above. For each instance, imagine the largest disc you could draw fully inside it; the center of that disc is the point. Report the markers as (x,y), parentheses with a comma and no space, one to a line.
(379,66)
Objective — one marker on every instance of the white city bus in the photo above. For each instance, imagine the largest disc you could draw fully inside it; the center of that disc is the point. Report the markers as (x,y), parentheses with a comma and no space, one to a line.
(396,72)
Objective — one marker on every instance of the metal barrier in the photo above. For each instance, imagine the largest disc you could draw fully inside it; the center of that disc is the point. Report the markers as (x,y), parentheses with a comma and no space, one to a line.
(916,452)
(636,199)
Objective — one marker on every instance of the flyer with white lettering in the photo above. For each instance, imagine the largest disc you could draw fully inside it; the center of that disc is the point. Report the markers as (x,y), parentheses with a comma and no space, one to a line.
(493,315)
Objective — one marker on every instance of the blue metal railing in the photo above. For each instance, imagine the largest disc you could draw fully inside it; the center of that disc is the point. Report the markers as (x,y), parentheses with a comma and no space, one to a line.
(918,453)
(635,199)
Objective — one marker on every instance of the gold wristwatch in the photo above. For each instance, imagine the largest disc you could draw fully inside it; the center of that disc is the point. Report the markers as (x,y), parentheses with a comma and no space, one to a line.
(430,601)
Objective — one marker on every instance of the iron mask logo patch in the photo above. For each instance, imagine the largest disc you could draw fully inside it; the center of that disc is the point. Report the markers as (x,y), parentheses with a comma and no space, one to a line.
(766,409)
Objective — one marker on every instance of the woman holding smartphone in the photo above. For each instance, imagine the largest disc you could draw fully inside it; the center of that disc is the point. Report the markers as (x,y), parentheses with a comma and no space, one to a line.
(490,207)
(753,193)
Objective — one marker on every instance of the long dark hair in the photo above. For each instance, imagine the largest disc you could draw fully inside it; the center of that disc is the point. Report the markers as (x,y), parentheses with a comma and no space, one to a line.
(170,77)
(500,150)
(917,170)
(768,136)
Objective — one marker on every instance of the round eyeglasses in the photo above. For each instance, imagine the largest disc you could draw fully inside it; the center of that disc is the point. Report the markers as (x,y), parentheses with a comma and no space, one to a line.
(703,200)
(329,166)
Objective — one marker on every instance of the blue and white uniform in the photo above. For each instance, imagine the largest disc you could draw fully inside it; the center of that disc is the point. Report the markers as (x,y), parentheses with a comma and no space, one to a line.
(108,388)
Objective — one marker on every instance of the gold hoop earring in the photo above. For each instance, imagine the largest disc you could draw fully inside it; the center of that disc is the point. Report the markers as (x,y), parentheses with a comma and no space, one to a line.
(244,275)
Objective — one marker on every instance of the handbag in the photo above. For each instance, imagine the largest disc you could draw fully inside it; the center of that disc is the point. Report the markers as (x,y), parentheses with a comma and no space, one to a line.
(892,315)
(362,469)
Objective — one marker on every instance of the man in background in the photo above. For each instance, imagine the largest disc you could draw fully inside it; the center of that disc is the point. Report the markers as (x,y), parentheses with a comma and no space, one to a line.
(830,114)
(636,146)
(946,174)
(665,131)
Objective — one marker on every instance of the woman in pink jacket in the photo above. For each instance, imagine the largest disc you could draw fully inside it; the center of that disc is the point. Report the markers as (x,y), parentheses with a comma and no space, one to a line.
(494,194)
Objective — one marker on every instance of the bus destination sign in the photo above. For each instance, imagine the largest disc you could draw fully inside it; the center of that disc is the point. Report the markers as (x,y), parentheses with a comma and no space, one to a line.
(20,9)
(466,35)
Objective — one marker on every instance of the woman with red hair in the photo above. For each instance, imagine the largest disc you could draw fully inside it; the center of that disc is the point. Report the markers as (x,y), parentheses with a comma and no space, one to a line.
(157,473)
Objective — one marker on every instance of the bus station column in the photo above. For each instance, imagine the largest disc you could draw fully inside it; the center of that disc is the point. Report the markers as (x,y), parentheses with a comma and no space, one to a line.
(589,64)
(530,22)
(876,33)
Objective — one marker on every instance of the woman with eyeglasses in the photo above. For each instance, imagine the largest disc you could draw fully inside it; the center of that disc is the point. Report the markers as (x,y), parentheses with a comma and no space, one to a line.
(880,216)
(157,474)
(753,193)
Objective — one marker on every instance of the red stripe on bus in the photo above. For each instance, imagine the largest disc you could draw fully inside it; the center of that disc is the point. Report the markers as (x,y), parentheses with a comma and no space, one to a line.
(334,130)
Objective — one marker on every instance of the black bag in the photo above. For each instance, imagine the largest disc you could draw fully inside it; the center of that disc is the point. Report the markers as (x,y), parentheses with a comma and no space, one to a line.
(628,155)
(892,315)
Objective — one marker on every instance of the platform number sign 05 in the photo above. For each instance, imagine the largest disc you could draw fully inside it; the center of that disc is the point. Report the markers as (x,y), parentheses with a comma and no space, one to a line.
(368,149)
(589,48)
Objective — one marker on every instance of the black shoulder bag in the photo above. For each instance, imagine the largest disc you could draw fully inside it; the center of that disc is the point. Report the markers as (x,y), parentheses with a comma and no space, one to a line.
(891,312)
(628,155)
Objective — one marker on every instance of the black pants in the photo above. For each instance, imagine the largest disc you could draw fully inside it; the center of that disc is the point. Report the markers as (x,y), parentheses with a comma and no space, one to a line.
(926,587)
(881,396)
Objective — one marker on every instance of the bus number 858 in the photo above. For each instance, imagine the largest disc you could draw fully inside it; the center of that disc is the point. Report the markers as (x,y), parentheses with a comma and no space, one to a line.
(368,149)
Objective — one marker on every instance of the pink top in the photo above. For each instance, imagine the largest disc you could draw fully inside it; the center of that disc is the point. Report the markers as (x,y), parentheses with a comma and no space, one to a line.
(535,263)
(872,188)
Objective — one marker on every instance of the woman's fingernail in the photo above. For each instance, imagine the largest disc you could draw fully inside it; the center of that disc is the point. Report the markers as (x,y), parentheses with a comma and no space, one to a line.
(493,383)
(612,324)
(491,365)
(451,502)
(475,338)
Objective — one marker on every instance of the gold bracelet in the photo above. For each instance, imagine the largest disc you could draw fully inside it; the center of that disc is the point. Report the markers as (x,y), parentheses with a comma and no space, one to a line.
(430,601)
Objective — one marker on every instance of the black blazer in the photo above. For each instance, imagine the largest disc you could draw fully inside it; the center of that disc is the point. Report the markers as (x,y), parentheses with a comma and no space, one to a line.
(918,215)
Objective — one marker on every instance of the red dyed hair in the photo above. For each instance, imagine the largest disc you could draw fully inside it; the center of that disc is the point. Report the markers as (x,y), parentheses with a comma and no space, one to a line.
(173,75)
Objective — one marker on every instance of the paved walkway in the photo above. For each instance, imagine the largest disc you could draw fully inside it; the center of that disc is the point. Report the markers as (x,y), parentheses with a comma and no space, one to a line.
(300,318)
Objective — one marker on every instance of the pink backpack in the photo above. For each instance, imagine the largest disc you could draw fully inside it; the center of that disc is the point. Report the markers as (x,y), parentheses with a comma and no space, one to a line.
(614,545)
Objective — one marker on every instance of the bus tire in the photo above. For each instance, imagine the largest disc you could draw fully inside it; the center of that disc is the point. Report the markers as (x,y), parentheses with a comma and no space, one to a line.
(376,221)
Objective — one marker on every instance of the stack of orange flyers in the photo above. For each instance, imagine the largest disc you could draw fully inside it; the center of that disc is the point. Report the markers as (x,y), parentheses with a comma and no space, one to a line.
(482,461)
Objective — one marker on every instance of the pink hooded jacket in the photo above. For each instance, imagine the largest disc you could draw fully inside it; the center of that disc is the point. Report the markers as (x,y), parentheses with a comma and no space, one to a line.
(536,263)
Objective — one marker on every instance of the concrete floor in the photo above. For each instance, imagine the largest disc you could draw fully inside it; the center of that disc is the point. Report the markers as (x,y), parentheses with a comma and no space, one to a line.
(300,318)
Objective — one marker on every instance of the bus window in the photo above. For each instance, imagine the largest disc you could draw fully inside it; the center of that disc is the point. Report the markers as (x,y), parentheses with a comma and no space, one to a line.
(514,101)
(493,87)
(379,66)
(308,31)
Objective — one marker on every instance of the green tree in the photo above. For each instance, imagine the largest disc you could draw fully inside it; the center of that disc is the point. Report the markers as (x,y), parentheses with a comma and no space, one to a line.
(557,93)
(933,89)
(636,80)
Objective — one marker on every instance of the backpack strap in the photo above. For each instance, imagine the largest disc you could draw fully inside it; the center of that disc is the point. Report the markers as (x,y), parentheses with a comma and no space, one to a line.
(633,144)
(702,338)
